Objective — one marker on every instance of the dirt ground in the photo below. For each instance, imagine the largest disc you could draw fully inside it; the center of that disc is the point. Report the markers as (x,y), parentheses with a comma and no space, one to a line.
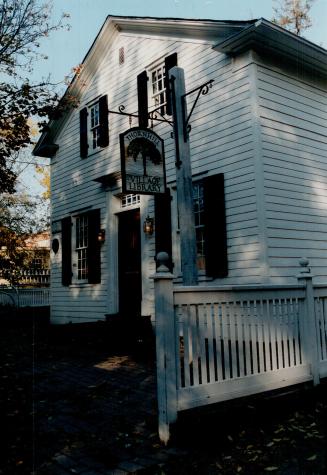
(83,401)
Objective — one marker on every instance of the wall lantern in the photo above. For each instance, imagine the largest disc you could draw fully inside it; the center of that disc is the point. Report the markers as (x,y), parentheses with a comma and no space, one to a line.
(148,226)
(102,236)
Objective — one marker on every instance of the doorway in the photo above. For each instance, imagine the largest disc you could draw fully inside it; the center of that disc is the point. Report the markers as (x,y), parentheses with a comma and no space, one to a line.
(129,263)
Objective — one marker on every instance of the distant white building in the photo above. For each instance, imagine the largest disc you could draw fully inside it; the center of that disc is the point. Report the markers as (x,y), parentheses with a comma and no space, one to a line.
(258,152)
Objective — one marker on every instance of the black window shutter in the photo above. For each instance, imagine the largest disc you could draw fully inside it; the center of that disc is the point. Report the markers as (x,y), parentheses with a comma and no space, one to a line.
(104,122)
(170,62)
(66,251)
(162,204)
(142,97)
(83,132)
(93,252)
(215,227)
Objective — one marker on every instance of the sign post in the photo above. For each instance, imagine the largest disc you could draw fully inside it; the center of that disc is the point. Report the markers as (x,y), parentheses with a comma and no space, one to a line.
(183,180)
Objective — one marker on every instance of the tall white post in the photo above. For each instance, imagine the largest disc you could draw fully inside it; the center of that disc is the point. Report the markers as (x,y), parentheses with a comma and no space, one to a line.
(183,180)
(310,323)
(165,347)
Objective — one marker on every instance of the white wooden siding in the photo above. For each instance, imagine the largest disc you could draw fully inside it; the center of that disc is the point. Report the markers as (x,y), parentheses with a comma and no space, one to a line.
(293,117)
(221,142)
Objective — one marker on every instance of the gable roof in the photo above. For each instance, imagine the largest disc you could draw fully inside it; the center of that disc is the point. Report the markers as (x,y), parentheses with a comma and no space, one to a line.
(230,37)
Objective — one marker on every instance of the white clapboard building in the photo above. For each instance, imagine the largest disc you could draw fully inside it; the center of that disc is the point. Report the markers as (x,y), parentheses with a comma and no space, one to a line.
(258,142)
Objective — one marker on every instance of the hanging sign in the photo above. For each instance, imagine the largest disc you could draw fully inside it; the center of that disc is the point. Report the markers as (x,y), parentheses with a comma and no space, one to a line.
(142,162)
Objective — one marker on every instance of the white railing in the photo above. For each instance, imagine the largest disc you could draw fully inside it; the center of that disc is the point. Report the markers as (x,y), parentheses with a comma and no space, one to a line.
(216,344)
(29,277)
(21,297)
(7,298)
(320,294)
(237,342)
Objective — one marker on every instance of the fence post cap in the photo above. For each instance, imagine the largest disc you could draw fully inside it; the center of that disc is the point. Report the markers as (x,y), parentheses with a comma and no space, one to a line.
(162,259)
(305,272)
(304,262)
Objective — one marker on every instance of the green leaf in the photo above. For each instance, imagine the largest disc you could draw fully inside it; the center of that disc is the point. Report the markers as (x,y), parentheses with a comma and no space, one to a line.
(271,469)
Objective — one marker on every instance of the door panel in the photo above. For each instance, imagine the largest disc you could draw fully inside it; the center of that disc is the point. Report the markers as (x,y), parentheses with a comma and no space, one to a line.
(129,259)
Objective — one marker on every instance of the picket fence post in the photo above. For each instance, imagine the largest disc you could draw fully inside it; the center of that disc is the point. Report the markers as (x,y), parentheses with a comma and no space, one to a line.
(165,347)
(310,320)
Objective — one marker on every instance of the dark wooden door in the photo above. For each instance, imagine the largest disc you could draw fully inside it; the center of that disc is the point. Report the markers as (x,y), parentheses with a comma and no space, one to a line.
(129,258)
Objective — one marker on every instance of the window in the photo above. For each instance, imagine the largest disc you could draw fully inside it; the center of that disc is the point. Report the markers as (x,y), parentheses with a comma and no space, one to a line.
(121,55)
(82,246)
(198,201)
(130,200)
(210,226)
(158,87)
(37,263)
(94,127)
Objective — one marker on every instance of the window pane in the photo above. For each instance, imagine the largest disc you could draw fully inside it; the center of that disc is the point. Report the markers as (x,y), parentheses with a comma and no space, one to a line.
(94,115)
(158,87)
(95,137)
(81,246)
(198,203)
(94,124)
(128,200)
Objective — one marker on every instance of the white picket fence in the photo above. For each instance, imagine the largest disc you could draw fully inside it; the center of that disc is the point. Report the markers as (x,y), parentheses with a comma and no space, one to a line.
(320,295)
(29,276)
(215,344)
(24,297)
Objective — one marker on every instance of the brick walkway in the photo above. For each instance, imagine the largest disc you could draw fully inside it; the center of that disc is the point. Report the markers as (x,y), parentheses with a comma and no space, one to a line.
(93,409)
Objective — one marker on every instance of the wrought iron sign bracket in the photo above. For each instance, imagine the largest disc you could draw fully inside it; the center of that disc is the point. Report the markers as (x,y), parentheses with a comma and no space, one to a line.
(152,115)
(120,111)
(201,90)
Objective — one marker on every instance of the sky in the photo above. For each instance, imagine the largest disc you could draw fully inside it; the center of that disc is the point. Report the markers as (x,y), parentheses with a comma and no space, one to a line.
(66,49)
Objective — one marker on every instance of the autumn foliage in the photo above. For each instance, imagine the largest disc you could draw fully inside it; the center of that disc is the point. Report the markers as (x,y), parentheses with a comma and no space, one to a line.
(23,25)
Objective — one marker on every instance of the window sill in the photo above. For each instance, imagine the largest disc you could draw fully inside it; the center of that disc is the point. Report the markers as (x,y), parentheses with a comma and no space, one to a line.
(94,152)
(78,285)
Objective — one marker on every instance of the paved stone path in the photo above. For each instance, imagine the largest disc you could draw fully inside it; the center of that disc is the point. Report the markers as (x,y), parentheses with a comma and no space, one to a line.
(75,402)
(99,416)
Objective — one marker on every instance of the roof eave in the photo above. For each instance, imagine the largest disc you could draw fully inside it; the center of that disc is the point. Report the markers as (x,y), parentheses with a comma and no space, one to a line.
(45,148)
(268,37)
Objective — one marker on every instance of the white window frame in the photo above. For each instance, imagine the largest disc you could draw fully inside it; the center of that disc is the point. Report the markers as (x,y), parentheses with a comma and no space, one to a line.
(198,204)
(80,248)
(37,263)
(157,84)
(129,200)
(93,126)
(199,225)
